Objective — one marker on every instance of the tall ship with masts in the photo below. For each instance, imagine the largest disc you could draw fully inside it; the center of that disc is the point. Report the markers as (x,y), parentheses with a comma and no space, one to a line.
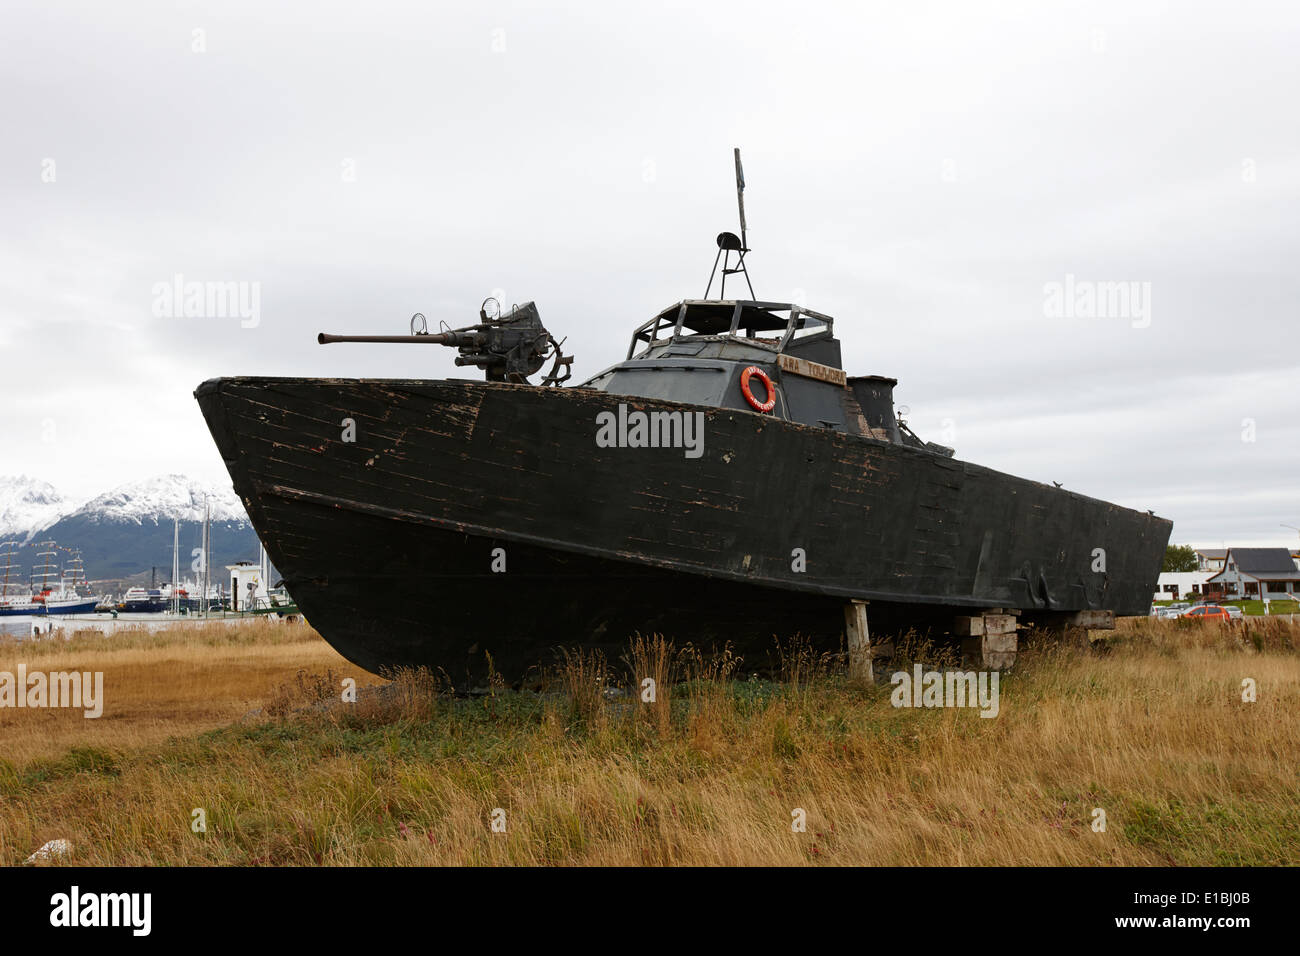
(15,597)
(56,585)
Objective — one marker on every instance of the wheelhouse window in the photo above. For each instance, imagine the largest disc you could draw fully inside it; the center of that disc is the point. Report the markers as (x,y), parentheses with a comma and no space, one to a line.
(774,325)
(662,328)
(806,326)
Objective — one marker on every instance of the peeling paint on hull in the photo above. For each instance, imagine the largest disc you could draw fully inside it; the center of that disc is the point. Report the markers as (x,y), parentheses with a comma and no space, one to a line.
(386,542)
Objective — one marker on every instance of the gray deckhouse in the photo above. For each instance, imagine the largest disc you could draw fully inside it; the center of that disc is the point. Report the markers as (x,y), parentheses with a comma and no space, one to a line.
(696,351)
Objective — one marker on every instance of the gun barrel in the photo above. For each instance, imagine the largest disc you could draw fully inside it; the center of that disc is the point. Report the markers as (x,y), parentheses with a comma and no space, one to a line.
(440,338)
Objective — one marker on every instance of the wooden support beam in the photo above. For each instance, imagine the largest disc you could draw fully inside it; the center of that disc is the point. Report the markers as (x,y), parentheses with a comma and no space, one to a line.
(859,641)
(1093,620)
(985,624)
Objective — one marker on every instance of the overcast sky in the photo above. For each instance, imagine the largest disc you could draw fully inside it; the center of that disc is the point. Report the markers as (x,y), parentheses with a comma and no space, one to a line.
(923,172)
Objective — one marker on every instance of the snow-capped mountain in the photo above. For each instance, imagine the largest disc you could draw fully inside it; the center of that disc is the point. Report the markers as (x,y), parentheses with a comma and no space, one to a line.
(129,530)
(27,505)
(163,498)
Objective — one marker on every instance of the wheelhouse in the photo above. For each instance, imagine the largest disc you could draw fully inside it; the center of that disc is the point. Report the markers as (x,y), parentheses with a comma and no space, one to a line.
(774,326)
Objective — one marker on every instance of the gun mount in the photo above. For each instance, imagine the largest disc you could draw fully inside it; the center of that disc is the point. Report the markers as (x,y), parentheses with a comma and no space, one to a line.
(508,348)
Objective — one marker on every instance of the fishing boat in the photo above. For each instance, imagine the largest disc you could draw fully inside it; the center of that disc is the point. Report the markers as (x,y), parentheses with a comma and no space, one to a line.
(728,481)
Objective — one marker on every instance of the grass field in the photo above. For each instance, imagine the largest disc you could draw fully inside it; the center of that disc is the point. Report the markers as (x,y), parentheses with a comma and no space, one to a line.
(1274,607)
(1148,726)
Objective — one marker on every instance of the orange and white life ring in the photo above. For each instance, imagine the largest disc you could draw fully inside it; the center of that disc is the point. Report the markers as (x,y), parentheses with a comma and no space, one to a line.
(755,372)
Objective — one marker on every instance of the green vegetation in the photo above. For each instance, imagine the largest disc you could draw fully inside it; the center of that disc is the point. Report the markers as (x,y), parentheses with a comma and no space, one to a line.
(1179,557)
(1274,607)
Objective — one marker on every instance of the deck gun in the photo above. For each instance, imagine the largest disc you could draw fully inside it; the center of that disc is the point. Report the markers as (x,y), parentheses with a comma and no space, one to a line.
(508,348)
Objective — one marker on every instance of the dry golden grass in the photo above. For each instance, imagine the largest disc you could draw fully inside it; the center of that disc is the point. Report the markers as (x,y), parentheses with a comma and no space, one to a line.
(1149,726)
(160,685)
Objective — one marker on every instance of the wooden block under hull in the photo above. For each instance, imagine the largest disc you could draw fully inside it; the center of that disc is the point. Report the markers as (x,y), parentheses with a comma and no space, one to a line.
(986,624)
(989,652)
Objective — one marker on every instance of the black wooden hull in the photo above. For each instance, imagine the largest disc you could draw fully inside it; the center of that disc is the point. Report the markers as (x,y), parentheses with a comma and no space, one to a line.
(387,542)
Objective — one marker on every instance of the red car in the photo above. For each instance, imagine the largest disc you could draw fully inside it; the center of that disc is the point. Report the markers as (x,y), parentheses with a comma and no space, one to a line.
(1208,612)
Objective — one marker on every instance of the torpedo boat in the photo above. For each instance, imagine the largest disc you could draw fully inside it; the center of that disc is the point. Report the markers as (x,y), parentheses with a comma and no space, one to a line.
(728,481)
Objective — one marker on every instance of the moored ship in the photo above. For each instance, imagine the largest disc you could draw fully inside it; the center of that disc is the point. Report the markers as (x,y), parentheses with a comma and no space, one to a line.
(140,600)
(52,589)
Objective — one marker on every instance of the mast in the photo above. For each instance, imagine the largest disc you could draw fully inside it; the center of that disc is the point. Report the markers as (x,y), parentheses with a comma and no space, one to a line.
(729,242)
(8,565)
(740,202)
(176,563)
(45,570)
(207,540)
(74,573)
(203,554)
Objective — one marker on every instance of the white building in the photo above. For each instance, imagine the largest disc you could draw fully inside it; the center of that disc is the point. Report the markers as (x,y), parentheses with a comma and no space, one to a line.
(1210,559)
(246,586)
(1179,585)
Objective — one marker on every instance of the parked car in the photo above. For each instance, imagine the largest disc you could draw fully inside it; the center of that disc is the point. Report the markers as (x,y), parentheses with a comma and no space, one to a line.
(1209,612)
(1174,610)
(1234,612)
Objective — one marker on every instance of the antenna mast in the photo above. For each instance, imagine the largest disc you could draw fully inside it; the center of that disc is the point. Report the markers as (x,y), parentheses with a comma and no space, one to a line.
(740,202)
(729,242)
